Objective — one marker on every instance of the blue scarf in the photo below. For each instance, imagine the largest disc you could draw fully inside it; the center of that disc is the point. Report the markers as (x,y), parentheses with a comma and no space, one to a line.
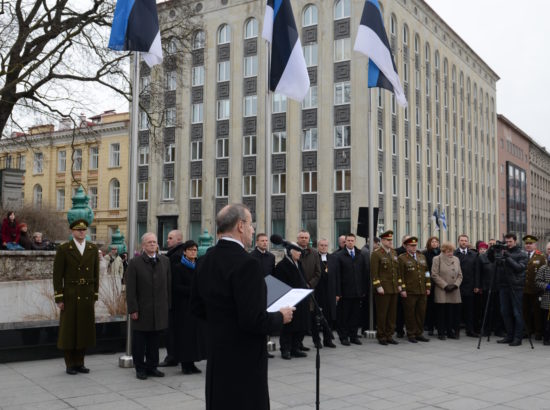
(187,262)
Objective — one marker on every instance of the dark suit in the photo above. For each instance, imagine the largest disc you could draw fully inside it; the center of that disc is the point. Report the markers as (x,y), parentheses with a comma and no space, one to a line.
(266,259)
(229,292)
(470,315)
(325,293)
(76,284)
(148,292)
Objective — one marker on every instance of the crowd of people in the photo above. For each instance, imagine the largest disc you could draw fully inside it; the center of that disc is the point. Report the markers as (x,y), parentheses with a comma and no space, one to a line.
(15,236)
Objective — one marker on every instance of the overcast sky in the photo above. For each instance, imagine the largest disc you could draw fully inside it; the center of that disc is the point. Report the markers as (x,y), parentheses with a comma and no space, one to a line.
(513,38)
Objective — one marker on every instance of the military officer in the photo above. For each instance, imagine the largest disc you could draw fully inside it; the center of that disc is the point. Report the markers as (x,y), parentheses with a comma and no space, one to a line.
(387,284)
(76,287)
(415,288)
(532,313)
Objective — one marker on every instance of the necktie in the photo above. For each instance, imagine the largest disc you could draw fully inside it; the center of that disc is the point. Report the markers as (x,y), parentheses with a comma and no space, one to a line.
(352,253)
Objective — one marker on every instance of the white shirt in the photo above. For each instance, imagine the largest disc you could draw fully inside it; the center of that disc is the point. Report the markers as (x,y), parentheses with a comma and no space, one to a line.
(324,257)
(80,246)
(228,238)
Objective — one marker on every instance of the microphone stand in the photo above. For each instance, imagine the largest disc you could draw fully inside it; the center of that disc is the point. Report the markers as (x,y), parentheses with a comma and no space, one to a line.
(320,323)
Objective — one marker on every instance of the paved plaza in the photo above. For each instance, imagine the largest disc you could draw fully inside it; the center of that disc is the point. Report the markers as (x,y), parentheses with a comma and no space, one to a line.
(449,374)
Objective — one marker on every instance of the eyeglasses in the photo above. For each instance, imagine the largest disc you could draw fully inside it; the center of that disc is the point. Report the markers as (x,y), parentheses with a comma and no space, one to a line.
(252,224)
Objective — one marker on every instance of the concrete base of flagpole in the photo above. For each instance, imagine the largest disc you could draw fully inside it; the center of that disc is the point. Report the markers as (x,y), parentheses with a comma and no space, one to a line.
(125,362)
(369,334)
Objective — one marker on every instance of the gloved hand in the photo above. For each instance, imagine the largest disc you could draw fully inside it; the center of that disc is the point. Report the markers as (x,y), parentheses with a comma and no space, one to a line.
(450,288)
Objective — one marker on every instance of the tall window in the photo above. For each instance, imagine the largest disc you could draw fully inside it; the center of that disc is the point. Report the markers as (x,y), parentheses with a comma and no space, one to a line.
(342,136)
(195,188)
(196,150)
(310,142)
(249,185)
(224,34)
(342,49)
(143,121)
(196,113)
(114,155)
(342,93)
(77,160)
(61,161)
(171,80)
(309,17)
(342,9)
(170,114)
(250,105)
(251,66)
(145,84)
(311,55)
(279,103)
(222,148)
(309,182)
(197,77)
(37,196)
(92,192)
(310,100)
(143,191)
(224,71)
(342,180)
(114,194)
(279,142)
(279,184)
(251,28)
(172,47)
(143,155)
(198,40)
(223,111)
(38,163)
(380,182)
(168,189)
(222,187)
(60,199)
(94,157)
(249,145)
(169,153)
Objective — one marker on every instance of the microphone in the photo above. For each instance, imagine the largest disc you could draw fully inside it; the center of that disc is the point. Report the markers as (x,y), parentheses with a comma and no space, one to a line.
(278,240)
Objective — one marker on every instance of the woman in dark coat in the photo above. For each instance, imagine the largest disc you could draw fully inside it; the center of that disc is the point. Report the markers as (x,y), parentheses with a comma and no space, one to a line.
(190,341)
(432,250)
(289,271)
(10,232)
(24,239)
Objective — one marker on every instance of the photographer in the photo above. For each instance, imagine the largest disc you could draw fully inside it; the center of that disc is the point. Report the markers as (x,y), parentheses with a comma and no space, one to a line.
(511,263)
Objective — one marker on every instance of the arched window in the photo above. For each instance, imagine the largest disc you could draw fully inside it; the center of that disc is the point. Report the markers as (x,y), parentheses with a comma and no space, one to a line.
(454,74)
(342,9)
(393,25)
(416,44)
(172,47)
(251,28)
(37,196)
(224,34)
(114,194)
(436,60)
(310,16)
(445,67)
(427,52)
(198,40)
(405,34)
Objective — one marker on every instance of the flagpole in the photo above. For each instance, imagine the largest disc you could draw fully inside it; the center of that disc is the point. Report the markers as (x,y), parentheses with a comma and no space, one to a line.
(126,360)
(267,142)
(371,202)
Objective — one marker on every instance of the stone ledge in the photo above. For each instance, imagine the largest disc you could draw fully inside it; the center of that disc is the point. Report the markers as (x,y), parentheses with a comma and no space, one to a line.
(26,265)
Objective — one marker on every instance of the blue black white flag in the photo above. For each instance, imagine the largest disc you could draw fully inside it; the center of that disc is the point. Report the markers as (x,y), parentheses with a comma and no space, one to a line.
(372,41)
(443,220)
(435,219)
(136,28)
(288,72)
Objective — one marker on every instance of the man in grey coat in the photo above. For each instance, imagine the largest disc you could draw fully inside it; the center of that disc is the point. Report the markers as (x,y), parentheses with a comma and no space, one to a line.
(148,290)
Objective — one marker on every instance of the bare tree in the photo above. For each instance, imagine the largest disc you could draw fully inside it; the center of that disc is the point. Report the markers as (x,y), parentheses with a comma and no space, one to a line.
(54,52)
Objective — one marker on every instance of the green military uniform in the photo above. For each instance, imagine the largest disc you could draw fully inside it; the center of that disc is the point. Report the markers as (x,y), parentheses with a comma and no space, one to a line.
(76,285)
(416,282)
(532,313)
(385,275)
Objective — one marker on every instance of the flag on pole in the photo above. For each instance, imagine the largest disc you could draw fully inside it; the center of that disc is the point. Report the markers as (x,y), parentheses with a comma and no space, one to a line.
(435,219)
(372,41)
(443,220)
(136,28)
(288,72)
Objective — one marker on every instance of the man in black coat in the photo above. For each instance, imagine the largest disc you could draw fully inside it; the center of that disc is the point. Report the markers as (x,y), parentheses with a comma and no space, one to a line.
(148,294)
(510,269)
(351,289)
(262,254)
(325,293)
(174,241)
(230,294)
(467,258)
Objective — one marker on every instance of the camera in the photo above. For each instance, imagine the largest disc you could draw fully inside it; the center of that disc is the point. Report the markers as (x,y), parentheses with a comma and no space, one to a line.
(498,249)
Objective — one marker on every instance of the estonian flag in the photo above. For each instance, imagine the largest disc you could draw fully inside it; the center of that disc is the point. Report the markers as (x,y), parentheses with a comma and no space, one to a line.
(288,73)
(136,28)
(372,41)
(435,219)
(443,220)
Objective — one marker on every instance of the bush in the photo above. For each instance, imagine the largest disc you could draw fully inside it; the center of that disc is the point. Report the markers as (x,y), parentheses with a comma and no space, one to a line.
(53,224)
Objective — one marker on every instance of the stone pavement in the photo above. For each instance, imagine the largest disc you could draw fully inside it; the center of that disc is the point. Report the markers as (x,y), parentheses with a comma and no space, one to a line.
(449,374)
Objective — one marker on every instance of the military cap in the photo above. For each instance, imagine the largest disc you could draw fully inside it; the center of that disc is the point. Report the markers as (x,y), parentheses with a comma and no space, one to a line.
(530,239)
(413,240)
(79,225)
(387,235)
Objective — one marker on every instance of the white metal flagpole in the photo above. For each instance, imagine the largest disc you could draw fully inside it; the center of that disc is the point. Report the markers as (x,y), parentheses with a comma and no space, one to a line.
(267,142)
(372,230)
(126,360)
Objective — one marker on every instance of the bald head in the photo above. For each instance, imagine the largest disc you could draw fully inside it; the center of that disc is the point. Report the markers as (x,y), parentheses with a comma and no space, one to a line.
(174,238)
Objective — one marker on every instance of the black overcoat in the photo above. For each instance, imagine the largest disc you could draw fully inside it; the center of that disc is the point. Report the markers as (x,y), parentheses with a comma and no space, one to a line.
(325,292)
(229,292)
(148,292)
(352,274)
(266,259)
(293,276)
(468,268)
(189,332)
(76,284)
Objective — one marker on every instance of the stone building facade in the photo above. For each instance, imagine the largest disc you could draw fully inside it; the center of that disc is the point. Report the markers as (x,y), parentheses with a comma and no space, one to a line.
(439,153)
